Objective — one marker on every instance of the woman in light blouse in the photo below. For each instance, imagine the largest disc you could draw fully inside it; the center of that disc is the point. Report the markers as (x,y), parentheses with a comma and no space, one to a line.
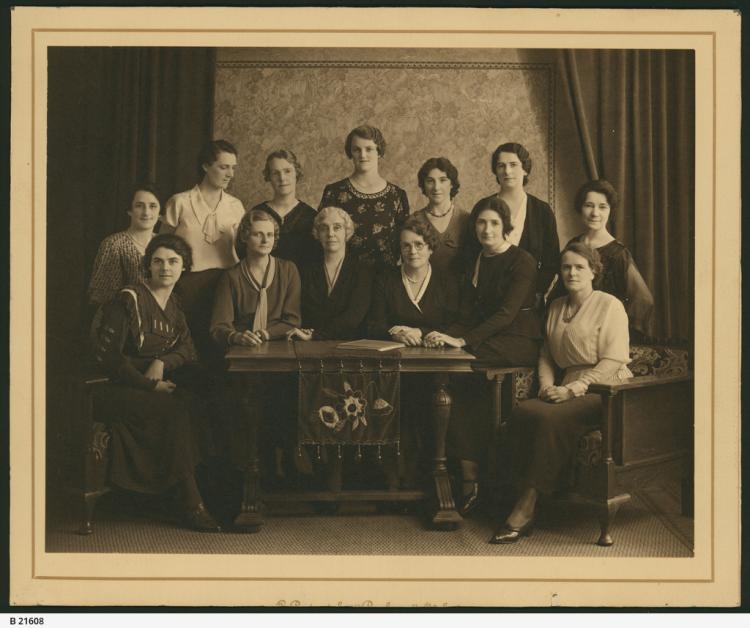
(207,217)
(587,339)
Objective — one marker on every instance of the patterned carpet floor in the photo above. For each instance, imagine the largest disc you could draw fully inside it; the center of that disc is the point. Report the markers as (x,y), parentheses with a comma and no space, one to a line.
(650,525)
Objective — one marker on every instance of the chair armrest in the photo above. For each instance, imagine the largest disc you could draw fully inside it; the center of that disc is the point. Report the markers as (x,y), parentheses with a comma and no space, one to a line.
(643,381)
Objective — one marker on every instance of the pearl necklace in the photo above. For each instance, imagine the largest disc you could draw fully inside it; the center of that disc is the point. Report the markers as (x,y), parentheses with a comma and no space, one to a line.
(445,213)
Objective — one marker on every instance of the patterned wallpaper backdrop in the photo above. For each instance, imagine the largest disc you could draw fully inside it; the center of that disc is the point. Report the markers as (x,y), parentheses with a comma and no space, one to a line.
(461,110)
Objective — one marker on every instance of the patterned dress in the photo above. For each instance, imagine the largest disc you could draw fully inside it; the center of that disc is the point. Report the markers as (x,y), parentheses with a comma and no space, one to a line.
(377,218)
(153,444)
(118,263)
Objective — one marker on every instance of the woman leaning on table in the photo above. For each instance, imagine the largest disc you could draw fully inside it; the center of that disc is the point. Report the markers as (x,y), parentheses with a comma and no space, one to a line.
(587,339)
(142,342)
(498,322)
(438,180)
(256,301)
(207,217)
(376,206)
(336,290)
(535,229)
(295,217)
(596,202)
(408,302)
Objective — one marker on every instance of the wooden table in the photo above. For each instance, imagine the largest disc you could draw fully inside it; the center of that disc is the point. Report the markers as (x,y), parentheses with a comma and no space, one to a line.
(287,357)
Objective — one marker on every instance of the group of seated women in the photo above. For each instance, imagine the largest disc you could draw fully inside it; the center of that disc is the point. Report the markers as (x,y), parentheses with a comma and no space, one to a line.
(360,266)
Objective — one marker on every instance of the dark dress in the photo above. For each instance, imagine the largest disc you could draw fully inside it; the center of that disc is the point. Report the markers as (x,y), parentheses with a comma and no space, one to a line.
(153,443)
(447,256)
(341,314)
(296,242)
(620,278)
(540,238)
(377,218)
(391,306)
(499,323)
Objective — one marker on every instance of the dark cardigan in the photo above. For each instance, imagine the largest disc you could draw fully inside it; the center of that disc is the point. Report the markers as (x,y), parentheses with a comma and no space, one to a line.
(340,315)
(539,238)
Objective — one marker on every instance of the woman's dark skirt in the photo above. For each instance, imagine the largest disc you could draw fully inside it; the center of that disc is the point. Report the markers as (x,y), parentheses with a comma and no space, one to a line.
(469,430)
(152,437)
(547,436)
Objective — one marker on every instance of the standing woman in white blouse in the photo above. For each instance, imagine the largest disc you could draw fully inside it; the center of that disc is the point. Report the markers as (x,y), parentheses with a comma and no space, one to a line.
(587,339)
(206,217)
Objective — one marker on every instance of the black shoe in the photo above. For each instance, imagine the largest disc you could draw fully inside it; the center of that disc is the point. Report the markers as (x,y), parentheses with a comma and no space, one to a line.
(201,520)
(507,534)
(471,500)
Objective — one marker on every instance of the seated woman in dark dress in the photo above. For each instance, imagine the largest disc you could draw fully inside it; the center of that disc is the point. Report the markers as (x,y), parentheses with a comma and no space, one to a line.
(407,303)
(336,290)
(596,202)
(497,322)
(376,206)
(438,180)
(256,301)
(534,225)
(587,339)
(142,342)
(295,217)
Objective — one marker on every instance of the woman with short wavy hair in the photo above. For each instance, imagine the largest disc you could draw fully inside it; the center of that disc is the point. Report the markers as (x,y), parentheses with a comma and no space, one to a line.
(534,225)
(336,290)
(376,206)
(587,341)
(283,171)
(597,203)
(438,180)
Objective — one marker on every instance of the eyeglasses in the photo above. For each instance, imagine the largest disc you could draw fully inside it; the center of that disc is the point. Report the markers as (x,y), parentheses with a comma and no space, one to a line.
(417,246)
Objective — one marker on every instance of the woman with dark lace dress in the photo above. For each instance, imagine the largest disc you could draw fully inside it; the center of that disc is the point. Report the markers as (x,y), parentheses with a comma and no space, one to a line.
(376,206)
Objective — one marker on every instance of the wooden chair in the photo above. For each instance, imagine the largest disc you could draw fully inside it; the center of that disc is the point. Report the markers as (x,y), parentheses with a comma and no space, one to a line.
(646,431)
(88,447)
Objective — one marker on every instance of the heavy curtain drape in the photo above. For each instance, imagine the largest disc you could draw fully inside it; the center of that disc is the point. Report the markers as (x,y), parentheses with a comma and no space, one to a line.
(115,116)
(635,116)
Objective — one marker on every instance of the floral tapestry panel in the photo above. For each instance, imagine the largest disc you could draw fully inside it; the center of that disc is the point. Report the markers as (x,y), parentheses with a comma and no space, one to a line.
(359,408)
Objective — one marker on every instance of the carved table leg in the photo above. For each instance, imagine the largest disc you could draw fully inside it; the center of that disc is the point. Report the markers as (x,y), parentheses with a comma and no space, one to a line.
(245,441)
(446,517)
(89,501)
(607,514)
(249,516)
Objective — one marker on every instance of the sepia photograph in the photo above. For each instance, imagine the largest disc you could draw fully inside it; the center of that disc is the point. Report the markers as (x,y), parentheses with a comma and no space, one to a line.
(362,314)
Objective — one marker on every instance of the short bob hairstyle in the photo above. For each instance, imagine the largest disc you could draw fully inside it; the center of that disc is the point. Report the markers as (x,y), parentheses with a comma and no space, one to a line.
(517,149)
(497,205)
(145,186)
(173,243)
(333,210)
(210,153)
(602,186)
(422,227)
(243,230)
(282,153)
(591,255)
(444,165)
(365,132)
